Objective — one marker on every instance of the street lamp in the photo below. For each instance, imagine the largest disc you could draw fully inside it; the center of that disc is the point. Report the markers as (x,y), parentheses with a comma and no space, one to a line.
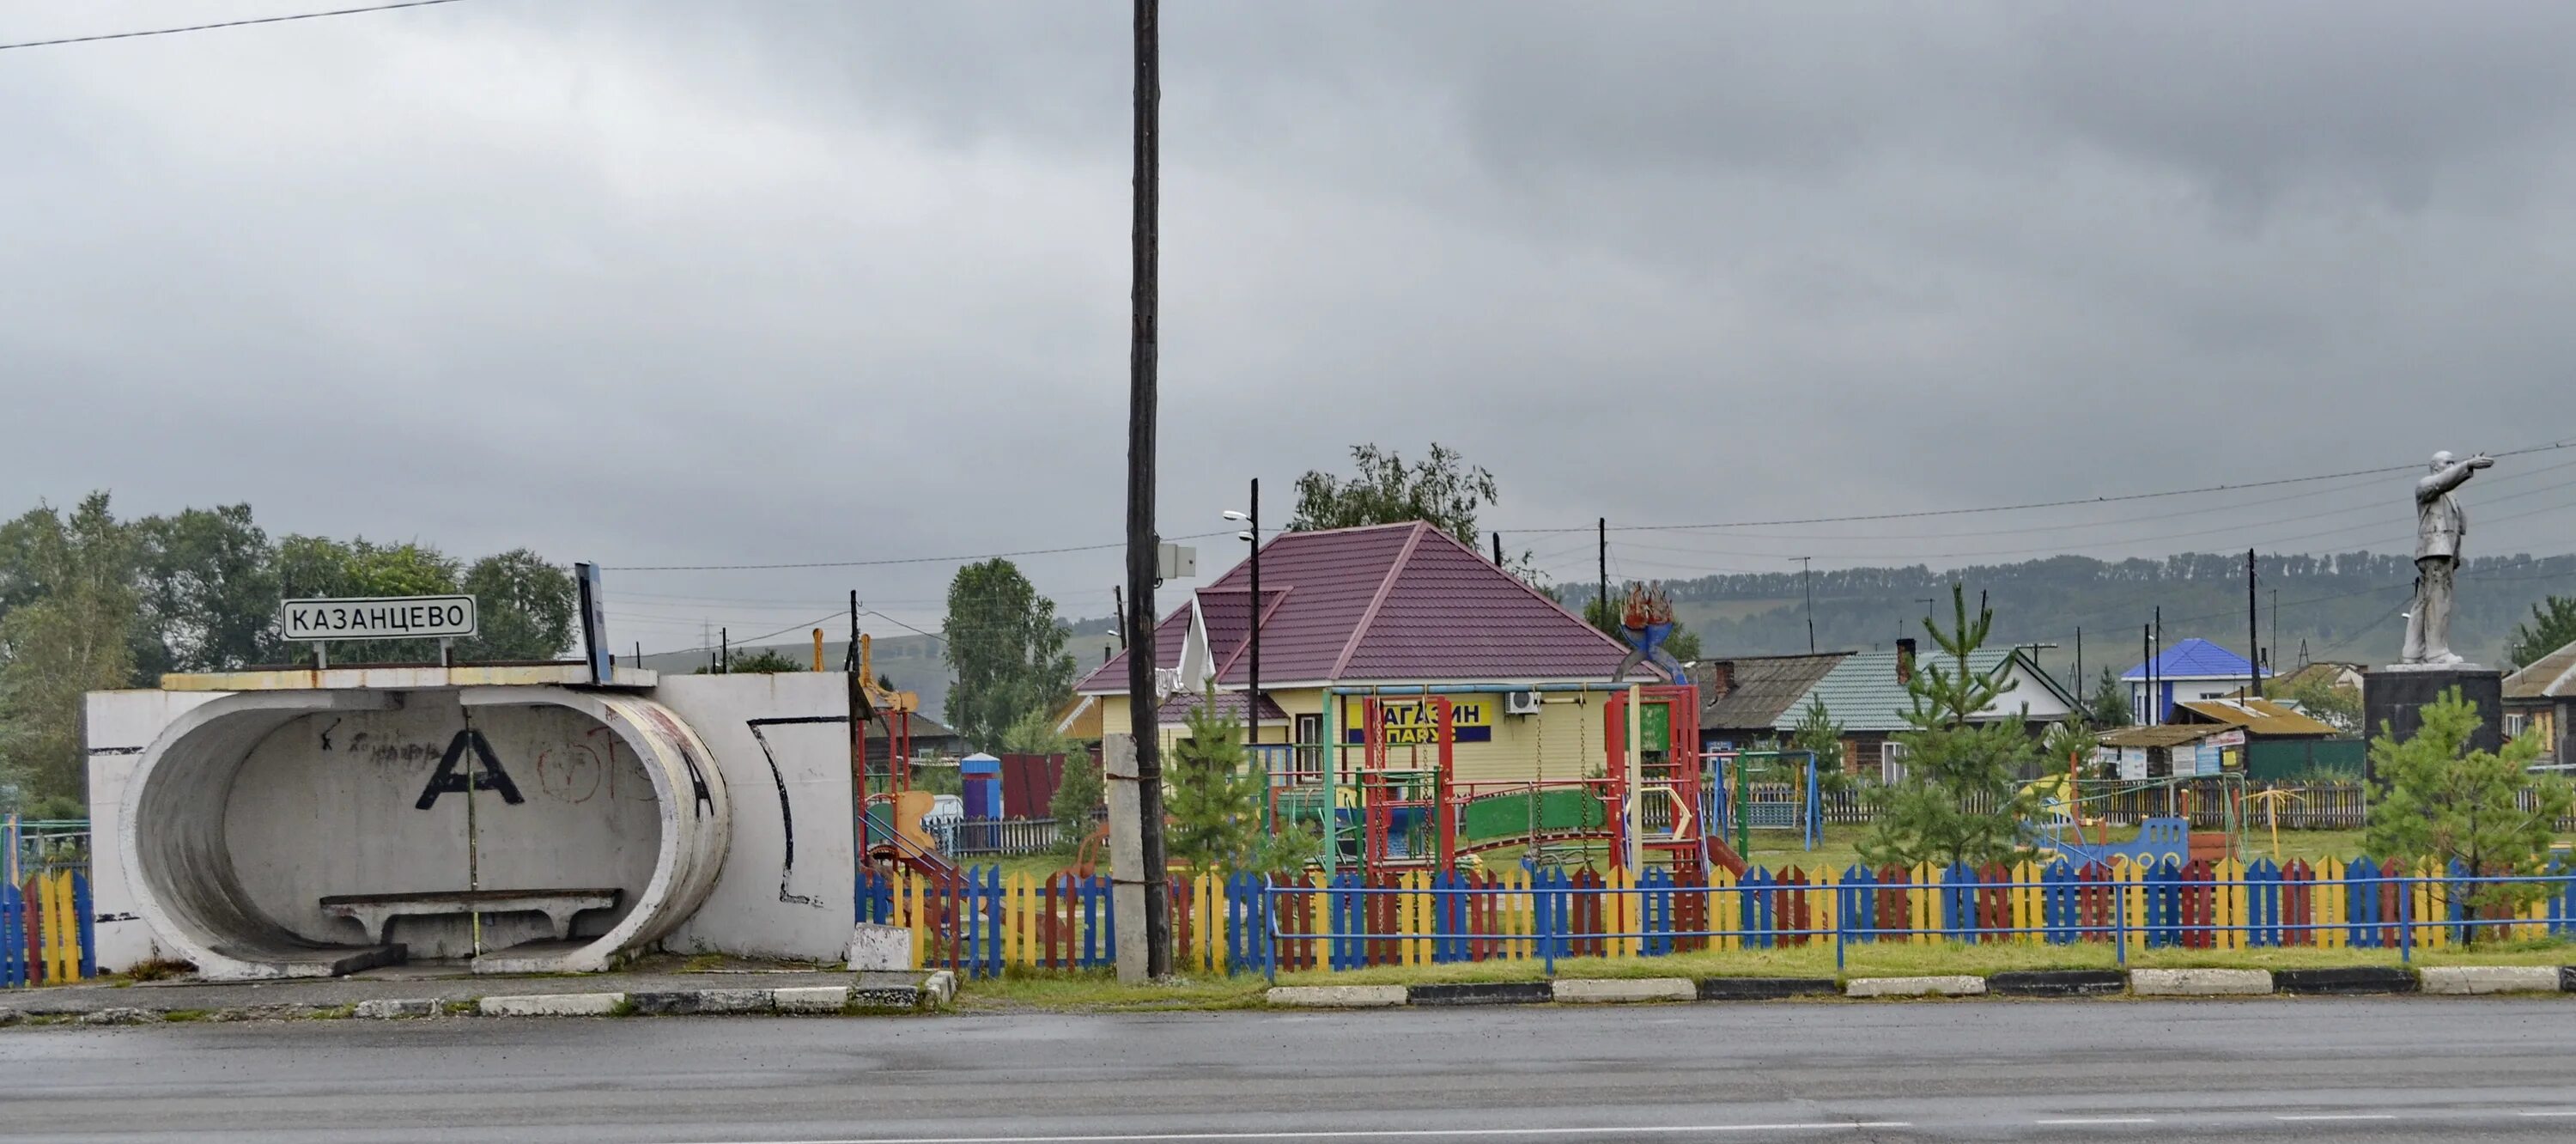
(1252,535)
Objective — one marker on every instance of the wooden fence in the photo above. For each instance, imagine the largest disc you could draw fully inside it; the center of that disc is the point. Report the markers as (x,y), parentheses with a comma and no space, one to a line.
(1004,837)
(983,922)
(2313,806)
(46,936)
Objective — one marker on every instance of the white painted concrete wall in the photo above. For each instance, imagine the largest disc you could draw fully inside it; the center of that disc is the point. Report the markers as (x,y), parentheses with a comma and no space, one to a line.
(328,804)
(306,819)
(117,726)
(764,905)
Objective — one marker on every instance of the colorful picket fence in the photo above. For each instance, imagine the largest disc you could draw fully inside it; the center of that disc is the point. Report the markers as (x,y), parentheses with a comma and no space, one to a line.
(984,922)
(46,934)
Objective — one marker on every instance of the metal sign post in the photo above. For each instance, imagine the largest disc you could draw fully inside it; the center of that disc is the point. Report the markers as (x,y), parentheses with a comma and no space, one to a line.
(594,625)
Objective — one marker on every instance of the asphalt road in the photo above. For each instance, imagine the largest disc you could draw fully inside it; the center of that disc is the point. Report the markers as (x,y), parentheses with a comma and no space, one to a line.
(2395,1069)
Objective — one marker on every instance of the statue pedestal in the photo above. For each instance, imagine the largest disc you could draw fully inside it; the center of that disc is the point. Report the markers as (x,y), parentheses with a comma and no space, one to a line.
(2395,695)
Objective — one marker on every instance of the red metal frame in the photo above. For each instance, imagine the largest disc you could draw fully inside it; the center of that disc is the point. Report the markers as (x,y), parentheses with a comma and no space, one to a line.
(1378,794)
(1681,771)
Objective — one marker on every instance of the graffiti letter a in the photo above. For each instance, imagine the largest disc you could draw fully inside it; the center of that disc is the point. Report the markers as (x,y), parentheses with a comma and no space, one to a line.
(488,773)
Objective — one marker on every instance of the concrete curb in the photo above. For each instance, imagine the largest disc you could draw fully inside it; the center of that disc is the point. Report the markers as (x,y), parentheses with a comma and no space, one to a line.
(2471,980)
(386,1010)
(1959,986)
(2057,983)
(1765,988)
(677,1003)
(2357,979)
(940,988)
(1617,990)
(552,1005)
(812,999)
(2199,982)
(1482,993)
(1337,996)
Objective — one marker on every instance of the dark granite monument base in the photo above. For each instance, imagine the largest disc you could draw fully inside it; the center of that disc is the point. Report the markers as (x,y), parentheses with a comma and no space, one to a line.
(2395,695)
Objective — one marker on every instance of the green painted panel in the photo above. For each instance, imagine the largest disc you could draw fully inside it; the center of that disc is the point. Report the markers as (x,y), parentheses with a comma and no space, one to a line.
(2282,760)
(1508,815)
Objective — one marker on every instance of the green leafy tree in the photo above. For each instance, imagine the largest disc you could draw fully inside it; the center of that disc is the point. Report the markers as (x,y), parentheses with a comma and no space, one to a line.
(209,592)
(1079,795)
(2317,695)
(72,632)
(318,566)
(525,609)
(1443,490)
(2109,706)
(1034,733)
(2440,802)
(1002,640)
(765,661)
(2552,626)
(1079,791)
(1954,764)
(1818,731)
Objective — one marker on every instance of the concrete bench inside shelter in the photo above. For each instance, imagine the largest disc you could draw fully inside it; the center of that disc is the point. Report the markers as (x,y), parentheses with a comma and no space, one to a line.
(377,912)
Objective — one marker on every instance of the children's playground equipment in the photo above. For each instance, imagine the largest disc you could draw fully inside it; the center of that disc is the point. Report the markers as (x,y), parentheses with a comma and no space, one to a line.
(1646,621)
(890,816)
(2070,807)
(1403,808)
(1765,790)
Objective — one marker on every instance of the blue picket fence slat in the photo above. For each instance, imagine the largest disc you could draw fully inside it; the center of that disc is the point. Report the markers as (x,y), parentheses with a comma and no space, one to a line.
(13,938)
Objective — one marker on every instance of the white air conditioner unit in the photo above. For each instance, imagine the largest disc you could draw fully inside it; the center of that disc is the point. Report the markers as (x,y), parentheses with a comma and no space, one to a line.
(1520,703)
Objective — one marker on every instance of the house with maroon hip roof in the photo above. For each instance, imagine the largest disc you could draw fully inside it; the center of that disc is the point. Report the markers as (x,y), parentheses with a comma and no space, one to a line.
(1401,611)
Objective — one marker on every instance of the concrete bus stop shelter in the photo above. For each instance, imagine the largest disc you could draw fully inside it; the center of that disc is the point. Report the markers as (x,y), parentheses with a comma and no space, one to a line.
(514,819)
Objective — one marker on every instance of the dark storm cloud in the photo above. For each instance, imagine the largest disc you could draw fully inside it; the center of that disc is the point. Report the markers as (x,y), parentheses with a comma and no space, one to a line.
(683,283)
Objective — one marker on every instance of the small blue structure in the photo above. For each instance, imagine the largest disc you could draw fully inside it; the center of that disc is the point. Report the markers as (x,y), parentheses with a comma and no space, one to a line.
(2159,841)
(980,778)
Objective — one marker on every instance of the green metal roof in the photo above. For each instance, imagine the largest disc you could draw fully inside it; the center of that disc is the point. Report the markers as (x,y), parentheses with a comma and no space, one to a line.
(1863,693)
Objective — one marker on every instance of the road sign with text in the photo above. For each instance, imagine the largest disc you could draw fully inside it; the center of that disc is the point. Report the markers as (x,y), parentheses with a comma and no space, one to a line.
(379,618)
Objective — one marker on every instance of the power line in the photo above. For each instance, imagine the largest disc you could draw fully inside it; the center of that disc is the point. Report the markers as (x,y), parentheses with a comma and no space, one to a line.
(2382,470)
(890,562)
(223,24)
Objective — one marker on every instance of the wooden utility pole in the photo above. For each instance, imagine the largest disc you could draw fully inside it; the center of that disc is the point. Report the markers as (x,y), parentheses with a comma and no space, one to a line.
(1601,549)
(2253,635)
(1807,584)
(1142,543)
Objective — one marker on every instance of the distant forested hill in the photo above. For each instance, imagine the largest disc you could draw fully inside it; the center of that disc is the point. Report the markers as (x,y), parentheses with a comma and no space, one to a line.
(2343,606)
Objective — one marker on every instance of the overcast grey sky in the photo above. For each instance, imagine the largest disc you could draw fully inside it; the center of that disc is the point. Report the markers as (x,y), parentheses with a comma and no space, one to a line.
(659,283)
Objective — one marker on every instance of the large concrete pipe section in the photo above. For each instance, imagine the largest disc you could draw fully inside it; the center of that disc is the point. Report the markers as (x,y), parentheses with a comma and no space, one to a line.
(248,811)
(180,860)
(696,819)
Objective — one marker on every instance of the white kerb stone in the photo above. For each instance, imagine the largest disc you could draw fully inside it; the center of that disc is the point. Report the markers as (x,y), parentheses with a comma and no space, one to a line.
(876,947)
(2467,979)
(1337,996)
(2199,982)
(1960,985)
(552,1005)
(813,999)
(387,1009)
(1600,990)
(940,987)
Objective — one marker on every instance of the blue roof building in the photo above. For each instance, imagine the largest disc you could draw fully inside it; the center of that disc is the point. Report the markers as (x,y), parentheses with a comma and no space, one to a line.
(2190,671)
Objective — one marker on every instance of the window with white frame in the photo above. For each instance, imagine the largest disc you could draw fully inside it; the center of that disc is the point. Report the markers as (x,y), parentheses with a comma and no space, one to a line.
(1891,762)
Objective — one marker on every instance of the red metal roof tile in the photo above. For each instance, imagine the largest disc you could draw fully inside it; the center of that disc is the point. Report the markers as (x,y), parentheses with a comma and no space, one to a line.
(1387,603)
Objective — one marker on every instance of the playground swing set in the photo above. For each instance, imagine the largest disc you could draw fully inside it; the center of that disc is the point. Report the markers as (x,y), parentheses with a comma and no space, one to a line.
(1402,806)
